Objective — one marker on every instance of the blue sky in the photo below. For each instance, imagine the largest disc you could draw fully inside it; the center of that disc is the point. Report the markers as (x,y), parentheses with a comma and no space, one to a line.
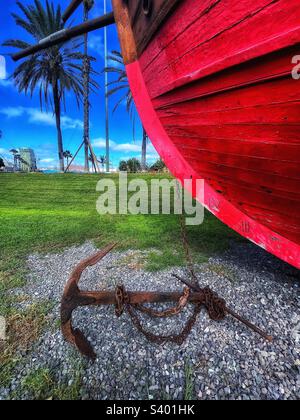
(24,125)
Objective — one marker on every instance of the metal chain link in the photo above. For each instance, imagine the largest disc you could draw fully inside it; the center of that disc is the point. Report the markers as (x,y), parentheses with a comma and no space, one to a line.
(215,306)
(161,339)
(184,238)
(123,302)
(183,301)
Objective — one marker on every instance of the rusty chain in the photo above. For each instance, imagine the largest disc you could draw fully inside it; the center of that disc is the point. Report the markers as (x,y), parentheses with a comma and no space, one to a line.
(161,339)
(215,306)
(185,242)
(183,301)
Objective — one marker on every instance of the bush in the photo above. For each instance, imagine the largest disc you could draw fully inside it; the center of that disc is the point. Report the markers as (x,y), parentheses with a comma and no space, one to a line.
(131,165)
(158,166)
(123,166)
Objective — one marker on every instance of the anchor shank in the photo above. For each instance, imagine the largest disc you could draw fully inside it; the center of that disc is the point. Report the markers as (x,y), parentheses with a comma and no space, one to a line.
(109,298)
(249,325)
(231,312)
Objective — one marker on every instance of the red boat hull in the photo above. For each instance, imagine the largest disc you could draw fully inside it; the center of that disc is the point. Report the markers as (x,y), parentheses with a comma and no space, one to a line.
(214,89)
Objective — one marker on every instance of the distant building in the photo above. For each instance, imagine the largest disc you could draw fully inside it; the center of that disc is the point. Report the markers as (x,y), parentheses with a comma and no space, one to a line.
(27,160)
(8,169)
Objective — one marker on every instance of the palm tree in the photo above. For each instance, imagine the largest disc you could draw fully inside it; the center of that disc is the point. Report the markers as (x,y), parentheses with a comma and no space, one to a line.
(68,155)
(120,84)
(102,161)
(88,5)
(57,68)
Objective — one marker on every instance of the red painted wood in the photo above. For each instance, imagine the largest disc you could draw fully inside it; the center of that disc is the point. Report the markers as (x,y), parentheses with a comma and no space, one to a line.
(215,93)
(250,73)
(221,38)
(228,213)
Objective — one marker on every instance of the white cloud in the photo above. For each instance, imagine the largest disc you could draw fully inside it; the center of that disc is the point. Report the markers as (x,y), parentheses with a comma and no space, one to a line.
(6,83)
(151,149)
(47,160)
(117,65)
(117,147)
(100,143)
(130,148)
(2,67)
(36,116)
(152,156)
(127,147)
(12,112)
(96,44)
(68,122)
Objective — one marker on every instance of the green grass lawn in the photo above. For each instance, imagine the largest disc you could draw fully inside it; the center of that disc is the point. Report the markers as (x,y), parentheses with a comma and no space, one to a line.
(46,213)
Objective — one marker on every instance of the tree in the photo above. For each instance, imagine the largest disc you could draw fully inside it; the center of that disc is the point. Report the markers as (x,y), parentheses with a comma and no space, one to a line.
(120,84)
(102,161)
(158,166)
(87,5)
(56,69)
(68,155)
(2,164)
(123,166)
(133,165)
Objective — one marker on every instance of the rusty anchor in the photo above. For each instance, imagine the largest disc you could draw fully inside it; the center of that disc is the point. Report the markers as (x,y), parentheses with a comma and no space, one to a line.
(134,302)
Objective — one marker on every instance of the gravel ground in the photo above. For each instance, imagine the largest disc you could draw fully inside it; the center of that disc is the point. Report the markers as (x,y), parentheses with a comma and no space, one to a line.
(218,361)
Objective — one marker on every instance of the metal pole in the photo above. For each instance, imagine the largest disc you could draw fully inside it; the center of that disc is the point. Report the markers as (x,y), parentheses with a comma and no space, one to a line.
(94,158)
(74,157)
(71,9)
(65,35)
(106,96)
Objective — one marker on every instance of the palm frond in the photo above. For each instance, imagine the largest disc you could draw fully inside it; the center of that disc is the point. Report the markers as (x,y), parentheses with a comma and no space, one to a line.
(59,65)
(120,83)
(16,43)
(117,89)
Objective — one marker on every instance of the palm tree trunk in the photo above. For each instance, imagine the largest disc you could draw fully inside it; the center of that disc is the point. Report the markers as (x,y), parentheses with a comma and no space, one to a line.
(86,77)
(144,150)
(57,110)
